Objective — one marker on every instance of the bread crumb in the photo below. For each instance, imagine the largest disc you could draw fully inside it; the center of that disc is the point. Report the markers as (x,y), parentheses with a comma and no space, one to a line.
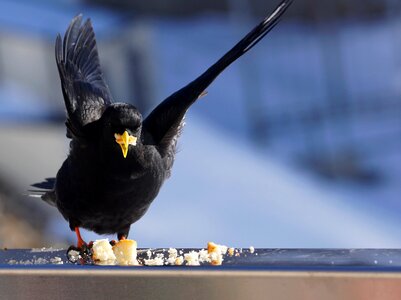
(172,252)
(211,247)
(216,258)
(102,251)
(179,261)
(157,261)
(204,256)
(192,258)
(216,253)
(172,256)
(56,260)
(73,256)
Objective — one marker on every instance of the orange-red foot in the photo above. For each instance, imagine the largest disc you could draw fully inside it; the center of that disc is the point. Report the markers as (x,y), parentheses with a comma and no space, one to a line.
(80,242)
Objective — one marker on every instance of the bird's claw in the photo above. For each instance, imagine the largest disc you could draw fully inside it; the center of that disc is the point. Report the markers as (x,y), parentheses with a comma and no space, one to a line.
(81,255)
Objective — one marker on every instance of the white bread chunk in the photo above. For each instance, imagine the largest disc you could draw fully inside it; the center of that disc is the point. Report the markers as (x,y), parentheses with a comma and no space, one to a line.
(103,252)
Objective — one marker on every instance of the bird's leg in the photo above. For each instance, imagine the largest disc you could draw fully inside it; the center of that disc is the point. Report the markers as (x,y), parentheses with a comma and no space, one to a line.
(80,242)
(84,250)
(121,236)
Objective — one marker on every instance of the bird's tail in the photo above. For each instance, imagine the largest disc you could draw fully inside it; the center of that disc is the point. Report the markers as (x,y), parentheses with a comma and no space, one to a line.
(45,191)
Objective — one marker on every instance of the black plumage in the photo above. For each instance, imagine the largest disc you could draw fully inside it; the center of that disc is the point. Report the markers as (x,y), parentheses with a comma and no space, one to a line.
(97,188)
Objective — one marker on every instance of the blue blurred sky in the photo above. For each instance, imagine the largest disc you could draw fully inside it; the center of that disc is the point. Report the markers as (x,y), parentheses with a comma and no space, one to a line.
(296,145)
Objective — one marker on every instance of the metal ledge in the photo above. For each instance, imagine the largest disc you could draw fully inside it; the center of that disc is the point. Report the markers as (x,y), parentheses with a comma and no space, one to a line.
(271,274)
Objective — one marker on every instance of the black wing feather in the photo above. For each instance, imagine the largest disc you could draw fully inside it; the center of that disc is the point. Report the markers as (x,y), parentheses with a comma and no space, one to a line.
(164,123)
(86,94)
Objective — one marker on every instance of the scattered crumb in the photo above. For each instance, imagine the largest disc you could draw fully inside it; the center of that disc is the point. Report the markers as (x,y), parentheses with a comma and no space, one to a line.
(157,261)
(34,261)
(73,256)
(172,256)
(38,249)
(216,253)
(39,261)
(172,252)
(170,261)
(204,256)
(56,260)
(44,249)
(192,258)
(213,255)
(179,261)
(25,262)
(251,249)
(211,247)
(216,259)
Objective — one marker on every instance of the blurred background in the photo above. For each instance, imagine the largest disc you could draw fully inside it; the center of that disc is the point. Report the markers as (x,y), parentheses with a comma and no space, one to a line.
(298,144)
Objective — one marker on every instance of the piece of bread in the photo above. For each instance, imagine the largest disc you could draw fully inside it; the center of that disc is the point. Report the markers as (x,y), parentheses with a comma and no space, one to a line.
(125,253)
(103,252)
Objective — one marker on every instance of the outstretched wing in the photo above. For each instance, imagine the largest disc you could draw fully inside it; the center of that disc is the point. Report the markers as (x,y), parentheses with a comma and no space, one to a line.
(86,95)
(164,124)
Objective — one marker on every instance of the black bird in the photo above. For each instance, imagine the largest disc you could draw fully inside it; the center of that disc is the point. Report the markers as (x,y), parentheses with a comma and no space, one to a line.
(117,161)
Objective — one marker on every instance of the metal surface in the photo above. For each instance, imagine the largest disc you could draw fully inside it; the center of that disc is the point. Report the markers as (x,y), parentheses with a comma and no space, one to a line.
(265,274)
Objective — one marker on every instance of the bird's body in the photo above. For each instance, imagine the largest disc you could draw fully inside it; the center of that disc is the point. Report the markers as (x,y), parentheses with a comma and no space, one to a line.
(101,187)
(97,188)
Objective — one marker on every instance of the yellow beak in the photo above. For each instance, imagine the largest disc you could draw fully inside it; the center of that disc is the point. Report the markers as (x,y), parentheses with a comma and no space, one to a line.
(124,140)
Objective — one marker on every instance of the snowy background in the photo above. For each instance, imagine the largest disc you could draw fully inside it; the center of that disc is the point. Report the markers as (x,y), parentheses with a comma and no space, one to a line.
(296,145)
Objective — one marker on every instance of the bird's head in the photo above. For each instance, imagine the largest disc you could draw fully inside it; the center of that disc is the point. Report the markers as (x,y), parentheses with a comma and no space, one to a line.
(122,126)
